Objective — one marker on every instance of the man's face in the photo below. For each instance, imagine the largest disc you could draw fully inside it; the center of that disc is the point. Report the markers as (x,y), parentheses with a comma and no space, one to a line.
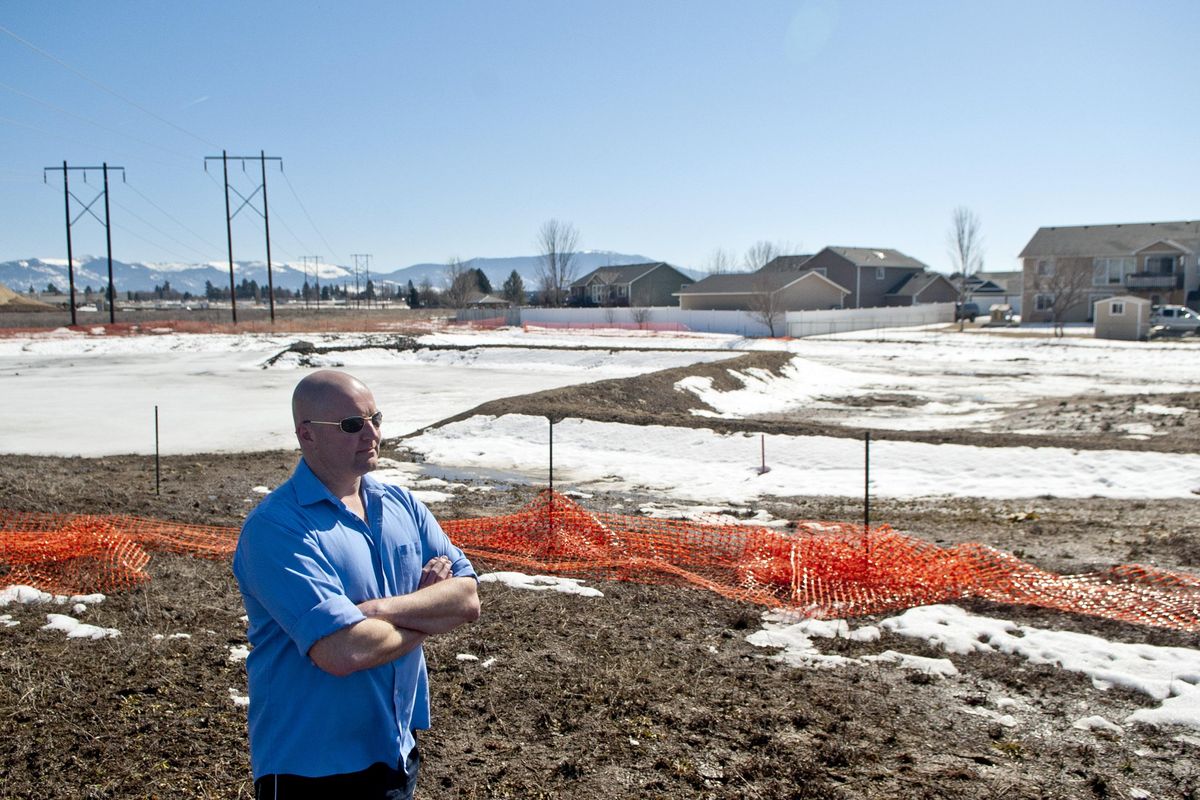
(331,452)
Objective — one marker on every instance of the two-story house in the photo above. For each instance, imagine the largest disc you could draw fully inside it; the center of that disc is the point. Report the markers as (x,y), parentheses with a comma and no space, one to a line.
(653,284)
(851,277)
(872,276)
(1079,265)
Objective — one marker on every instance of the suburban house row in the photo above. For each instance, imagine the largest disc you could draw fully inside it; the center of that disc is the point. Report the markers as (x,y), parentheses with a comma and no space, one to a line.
(836,277)
(1071,267)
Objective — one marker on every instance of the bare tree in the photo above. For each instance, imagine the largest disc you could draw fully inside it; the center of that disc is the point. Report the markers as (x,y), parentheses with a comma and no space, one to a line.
(719,262)
(966,249)
(557,242)
(461,283)
(759,255)
(1065,288)
(640,315)
(766,304)
(428,295)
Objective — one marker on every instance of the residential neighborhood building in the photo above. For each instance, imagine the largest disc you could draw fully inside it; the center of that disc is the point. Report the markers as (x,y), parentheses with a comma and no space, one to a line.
(481,300)
(994,288)
(1077,266)
(653,284)
(746,291)
(921,287)
(851,277)
(869,274)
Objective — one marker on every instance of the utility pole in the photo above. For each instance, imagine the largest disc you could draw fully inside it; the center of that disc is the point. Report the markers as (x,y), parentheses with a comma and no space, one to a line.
(316,277)
(365,260)
(307,288)
(87,209)
(262,158)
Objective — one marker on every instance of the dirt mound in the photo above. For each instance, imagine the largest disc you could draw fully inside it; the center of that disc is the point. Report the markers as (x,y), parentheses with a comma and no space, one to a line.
(12,301)
(1080,423)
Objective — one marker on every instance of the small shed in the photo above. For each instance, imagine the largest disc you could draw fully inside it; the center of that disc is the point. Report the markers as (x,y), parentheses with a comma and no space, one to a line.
(1122,317)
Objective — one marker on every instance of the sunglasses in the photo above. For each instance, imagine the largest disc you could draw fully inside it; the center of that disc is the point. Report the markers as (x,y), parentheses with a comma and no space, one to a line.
(350,424)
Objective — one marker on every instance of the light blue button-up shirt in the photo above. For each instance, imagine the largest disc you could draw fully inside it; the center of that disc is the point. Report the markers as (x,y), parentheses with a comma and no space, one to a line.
(303,562)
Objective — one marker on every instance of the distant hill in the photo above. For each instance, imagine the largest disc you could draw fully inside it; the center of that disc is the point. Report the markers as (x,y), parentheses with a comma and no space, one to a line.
(21,274)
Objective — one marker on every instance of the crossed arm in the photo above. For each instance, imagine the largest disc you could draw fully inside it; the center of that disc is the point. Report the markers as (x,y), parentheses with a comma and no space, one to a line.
(398,625)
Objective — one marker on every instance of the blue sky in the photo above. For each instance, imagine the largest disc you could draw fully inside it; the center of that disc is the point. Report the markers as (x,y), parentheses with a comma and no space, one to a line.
(420,131)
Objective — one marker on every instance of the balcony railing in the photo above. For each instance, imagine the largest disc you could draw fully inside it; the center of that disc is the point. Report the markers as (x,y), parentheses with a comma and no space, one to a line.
(1153,280)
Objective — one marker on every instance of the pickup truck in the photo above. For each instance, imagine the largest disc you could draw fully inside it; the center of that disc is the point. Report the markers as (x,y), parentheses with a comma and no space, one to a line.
(1174,321)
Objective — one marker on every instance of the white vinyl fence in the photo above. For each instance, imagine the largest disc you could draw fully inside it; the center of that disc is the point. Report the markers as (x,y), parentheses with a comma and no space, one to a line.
(816,323)
(648,318)
(741,323)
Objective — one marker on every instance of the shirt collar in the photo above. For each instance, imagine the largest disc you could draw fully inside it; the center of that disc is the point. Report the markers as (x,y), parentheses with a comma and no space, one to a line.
(310,490)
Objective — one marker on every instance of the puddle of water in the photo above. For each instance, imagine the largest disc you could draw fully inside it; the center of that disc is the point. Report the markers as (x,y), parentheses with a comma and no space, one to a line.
(497,477)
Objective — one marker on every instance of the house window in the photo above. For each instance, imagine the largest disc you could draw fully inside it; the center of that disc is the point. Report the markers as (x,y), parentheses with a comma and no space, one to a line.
(1162,265)
(1112,271)
(1117,309)
(1045,268)
(1043,302)
(880,273)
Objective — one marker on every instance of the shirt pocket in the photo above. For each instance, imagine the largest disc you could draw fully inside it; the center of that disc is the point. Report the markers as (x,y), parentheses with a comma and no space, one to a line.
(402,566)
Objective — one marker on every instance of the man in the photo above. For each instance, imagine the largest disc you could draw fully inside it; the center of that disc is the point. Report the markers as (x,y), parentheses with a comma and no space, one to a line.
(343,578)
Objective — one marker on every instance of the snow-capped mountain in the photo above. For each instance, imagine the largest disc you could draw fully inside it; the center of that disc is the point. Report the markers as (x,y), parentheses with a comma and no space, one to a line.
(136,276)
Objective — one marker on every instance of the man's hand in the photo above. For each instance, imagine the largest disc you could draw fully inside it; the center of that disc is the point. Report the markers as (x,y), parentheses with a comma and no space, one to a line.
(440,603)
(436,571)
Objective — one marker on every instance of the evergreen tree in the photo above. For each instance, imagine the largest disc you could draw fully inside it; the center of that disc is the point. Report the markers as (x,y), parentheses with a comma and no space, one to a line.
(514,288)
(482,281)
(414,299)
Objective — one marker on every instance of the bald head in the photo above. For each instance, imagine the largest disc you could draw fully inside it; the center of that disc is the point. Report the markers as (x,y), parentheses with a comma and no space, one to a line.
(323,390)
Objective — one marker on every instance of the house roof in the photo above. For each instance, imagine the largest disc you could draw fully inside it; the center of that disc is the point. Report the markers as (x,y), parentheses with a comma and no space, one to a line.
(914,283)
(626,273)
(877,257)
(751,282)
(786,263)
(724,283)
(479,299)
(1128,298)
(1111,240)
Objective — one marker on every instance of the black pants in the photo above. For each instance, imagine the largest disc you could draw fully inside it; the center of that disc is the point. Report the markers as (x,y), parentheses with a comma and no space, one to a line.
(376,781)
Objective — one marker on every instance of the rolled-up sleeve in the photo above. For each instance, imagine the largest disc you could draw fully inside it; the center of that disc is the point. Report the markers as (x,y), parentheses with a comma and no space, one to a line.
(283,569)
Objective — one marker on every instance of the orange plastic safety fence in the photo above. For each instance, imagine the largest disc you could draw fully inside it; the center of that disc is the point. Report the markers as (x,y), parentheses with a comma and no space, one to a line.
(81,554)
(821,569)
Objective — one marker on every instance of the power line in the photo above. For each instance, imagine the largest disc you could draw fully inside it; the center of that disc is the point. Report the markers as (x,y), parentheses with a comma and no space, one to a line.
(155,228)
(329,247)
(99,125)
(150,242)
(81,142)
(45,132)
(99,85)
(169,216)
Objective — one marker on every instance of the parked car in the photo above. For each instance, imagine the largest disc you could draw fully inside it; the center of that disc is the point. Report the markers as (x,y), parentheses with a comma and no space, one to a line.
(1174,320)
(967,311)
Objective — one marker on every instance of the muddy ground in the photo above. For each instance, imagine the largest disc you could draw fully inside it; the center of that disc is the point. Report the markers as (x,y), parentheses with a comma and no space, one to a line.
(649,692)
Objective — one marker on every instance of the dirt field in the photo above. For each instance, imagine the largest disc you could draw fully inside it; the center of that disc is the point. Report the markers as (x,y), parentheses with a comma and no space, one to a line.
(648,692)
